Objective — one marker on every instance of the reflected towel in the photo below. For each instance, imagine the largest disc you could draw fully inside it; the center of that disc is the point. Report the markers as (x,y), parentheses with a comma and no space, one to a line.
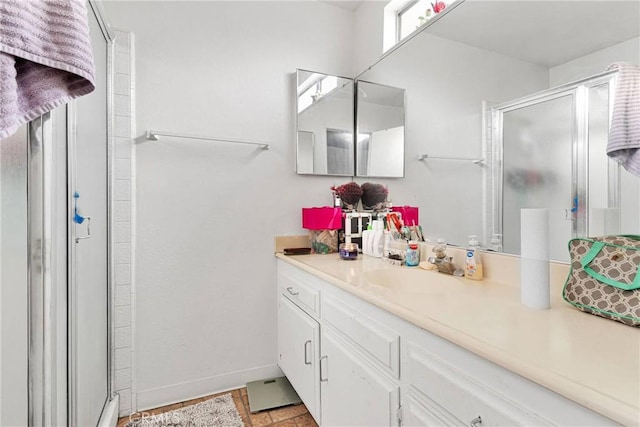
(624,133)
(45,58)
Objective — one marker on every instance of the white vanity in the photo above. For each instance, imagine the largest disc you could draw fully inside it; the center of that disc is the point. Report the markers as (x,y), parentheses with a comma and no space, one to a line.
(366,343)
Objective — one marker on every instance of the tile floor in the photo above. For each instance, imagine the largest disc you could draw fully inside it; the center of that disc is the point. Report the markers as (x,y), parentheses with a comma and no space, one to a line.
(287,416)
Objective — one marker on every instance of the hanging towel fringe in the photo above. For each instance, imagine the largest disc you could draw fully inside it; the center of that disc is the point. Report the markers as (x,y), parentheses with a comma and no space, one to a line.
(624,133)
(45,58)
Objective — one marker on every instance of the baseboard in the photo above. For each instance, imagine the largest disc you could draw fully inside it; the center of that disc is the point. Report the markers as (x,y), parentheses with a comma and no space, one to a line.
(109,417)
(153,398)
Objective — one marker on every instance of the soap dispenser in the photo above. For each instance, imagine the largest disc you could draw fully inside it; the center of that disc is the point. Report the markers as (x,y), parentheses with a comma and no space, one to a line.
(473,264)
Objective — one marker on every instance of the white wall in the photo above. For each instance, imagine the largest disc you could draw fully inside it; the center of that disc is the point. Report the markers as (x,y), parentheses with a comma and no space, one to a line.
(207,213)
(445,84)
(368,34)
(595,63)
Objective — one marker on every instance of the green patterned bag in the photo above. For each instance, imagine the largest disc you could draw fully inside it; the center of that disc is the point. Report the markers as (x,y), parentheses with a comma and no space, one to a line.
(604,279)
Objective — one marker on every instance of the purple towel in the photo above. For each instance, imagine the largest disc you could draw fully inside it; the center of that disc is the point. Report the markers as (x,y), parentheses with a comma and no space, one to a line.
(624,133)
(45,58)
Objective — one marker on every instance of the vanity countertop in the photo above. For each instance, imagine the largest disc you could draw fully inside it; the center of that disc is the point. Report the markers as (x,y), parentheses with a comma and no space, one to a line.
(590,360)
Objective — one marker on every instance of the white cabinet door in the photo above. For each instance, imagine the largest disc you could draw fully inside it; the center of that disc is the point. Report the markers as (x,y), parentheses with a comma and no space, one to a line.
(298,338)
(353,392)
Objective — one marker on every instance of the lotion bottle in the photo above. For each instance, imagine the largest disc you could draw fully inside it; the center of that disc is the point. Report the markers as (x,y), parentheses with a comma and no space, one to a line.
(473,264)
(366,239)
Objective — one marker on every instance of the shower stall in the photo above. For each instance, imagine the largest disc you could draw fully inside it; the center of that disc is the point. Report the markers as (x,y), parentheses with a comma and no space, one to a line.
(549,151)
(55,266)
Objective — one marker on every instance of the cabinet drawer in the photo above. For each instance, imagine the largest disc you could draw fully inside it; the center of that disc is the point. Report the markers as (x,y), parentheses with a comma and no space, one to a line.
(297,286)
(457,394)
(379,341)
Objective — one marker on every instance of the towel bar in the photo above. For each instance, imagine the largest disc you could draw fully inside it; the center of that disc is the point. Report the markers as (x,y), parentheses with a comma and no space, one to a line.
(152,135)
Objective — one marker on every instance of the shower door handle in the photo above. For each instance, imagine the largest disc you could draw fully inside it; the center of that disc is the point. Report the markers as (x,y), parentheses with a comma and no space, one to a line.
(88,235)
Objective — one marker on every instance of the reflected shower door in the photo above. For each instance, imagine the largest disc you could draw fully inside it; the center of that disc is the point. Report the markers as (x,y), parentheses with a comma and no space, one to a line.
(537,158)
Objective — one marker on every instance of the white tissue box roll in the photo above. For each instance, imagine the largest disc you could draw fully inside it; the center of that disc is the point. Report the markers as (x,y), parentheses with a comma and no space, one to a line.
(534,284)
(534,258)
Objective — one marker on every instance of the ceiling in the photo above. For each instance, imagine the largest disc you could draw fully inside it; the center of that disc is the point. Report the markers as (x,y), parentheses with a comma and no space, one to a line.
(344,4)
(548,33)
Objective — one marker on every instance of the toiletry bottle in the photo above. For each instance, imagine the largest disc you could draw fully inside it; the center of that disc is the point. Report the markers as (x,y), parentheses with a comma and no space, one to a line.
(473,266)
(413,254)
(366,238)
(377,241)
(386,242)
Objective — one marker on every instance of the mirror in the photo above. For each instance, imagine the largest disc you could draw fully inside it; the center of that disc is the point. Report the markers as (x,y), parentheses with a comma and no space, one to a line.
(380,130)
(480,54)
(325,127)
(324,111)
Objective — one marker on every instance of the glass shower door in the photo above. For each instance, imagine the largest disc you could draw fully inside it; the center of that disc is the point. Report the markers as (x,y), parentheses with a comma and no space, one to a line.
(13,279)
(538,140)
(89,244)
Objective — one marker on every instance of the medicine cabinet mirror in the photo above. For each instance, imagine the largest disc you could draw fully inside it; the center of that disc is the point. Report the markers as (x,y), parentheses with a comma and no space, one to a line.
(326,127)
(379,130)
(495,121)
(324,111)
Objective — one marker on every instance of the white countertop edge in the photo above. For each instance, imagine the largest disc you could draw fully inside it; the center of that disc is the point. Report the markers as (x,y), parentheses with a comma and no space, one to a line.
(577,392)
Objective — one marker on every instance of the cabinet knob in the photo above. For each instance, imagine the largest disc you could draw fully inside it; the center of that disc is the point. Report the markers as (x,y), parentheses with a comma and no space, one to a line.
(291,291)
(476,422)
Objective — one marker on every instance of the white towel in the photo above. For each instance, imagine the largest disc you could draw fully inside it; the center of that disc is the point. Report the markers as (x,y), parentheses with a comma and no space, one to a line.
(624,133)
(45,58)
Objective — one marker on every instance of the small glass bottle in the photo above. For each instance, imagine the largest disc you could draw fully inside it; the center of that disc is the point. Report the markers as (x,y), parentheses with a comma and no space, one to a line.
(413,254)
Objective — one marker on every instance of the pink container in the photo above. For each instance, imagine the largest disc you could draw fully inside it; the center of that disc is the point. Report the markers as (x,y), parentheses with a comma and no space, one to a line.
(409,214)
(325,218)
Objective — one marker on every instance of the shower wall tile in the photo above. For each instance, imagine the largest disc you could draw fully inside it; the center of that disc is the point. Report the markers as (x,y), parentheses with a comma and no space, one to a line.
(122,84)
(123,274)
(123,149)
(122,63)
(123,220)
(122,296)
(122,212)
(123,378)
(122,358)
(122,232)
(122,316)
(122,105)
(123,337)
(122,190)
(123,168)
(122,253)
(125,402)
(122,126)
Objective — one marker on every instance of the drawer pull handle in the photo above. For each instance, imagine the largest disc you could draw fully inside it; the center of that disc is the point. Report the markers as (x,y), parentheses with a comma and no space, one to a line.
(476,421)
(321,377)
(306,360)
(291,291)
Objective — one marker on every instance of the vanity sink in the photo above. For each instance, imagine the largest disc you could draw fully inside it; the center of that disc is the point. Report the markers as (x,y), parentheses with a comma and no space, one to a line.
(414,280)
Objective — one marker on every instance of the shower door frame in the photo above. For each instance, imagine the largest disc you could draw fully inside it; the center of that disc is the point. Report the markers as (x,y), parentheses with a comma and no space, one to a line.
(579,214)
(93,7)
